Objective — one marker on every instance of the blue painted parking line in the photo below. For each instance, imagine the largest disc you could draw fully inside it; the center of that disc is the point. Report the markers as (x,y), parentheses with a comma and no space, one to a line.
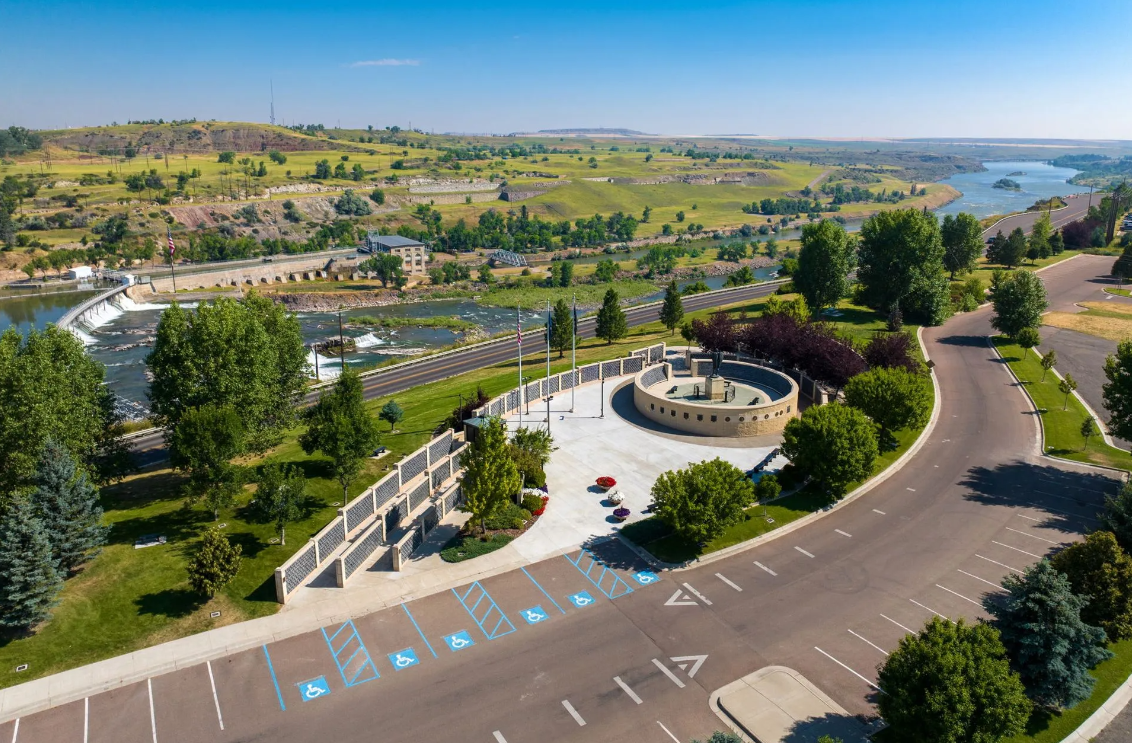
(274,680)
(350,655)
(403,659)
(544,593)
(605,580)
(419,632)
(534,615)
(646,578)
(313,689)
(482,607)
(459,641)
(581,599)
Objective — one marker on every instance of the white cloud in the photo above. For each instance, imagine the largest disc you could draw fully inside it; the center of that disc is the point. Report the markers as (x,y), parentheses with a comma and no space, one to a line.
(387,63)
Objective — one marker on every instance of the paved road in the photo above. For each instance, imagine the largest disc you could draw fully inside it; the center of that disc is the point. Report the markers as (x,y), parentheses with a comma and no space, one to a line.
(150,448)
(1078,206)
(620,661)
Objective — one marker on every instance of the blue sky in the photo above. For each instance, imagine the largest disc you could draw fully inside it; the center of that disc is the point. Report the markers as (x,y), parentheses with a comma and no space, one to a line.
(789,68)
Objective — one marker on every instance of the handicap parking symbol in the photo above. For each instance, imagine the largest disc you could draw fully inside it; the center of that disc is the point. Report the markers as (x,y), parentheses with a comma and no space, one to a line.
(646,578)
(534,615)
(403,659)
(459,641)
(314,688)
(581,599)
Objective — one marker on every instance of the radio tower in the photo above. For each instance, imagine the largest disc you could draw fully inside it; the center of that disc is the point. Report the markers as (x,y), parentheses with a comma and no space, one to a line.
(272,83)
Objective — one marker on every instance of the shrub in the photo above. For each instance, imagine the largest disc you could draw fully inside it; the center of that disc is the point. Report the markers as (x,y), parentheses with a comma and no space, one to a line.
(532,502)
(892,351)
(510,516)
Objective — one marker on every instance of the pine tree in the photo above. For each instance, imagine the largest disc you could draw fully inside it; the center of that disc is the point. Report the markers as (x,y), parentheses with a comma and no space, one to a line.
(391,413)
(1048,643)
(67,504)
(561,327)
(611,324)
(490,474)
(672,311)
(29,581)
(215,564)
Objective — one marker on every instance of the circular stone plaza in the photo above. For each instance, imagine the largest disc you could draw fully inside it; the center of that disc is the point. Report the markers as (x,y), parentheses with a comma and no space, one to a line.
(637,426)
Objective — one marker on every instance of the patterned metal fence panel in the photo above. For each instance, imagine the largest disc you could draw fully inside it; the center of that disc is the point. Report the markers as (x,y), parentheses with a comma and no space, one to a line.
(361,551)
(591,373)
(611,368)
(438,448)
(440,473)
(416,541)
(418,496)
(566,380)
(655,375)
(513,400)
(302,565)
(454,499)
(392,519)
(413,466)
(334,535)
(644,352)
(458,457)
(534,391)
(552,385)
(411,543)
(358,511)
(632,365)
(497,408)
(385,490)
(656,353)
(429,520)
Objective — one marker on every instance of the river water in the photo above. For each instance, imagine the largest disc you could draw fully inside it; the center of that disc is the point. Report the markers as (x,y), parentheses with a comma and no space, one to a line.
(122,338)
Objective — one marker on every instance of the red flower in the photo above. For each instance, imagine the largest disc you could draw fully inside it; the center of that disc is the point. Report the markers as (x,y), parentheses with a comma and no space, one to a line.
(606,482)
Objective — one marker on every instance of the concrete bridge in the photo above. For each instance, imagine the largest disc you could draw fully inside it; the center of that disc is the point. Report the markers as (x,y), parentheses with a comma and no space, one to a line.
(275,270)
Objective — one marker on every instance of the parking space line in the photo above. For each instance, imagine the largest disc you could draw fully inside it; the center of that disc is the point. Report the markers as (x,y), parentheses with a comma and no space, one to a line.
(215,698)
(807,554)
(419,632)
(670,735)
(671,676)
(625,688)
(1029,518)
(898,624)
(933,611)
(843,533)
(867,641)
(992,585)
(847,668)
(882,513)
(499,737)
(573,713)
(764,567)
(544,593)
(720,576)
(1024,552)
(360,650)
(492,608)
(698,595)
(274,680)
(152,716)
(617,586)
(86,719)
(976,603)
(1031,536)
(16,730)
(996,562)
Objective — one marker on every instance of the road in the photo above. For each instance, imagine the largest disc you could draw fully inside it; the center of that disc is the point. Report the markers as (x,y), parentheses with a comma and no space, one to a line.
(149,448)
(1078,207)
(621,661)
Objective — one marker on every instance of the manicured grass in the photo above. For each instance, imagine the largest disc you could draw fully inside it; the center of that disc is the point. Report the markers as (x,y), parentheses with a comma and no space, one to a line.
(1061,419)
(589,295)
(1120,292)
(460,548)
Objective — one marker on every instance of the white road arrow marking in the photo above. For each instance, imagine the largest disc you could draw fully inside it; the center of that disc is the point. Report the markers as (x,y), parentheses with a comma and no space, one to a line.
(680,599)
(684,660)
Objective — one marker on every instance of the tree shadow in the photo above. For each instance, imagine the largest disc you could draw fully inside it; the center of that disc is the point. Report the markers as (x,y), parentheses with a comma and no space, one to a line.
(964,340)
(174,603)
(250,544)
(177,525)
(1071,499)
(837,726)
(615,555)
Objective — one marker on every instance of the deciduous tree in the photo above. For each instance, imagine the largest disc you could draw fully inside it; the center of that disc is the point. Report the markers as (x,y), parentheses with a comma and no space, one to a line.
(834,444)
(215,563)
(1100,569)
(894,398)
(1117,391)
(1019,302)
(341,428)
(699,502)
(1117,516)
(892,351)
(1049,360)
(962,238)
(824,264)
(1066,386)
(901,265)
(490,474)
(280,496)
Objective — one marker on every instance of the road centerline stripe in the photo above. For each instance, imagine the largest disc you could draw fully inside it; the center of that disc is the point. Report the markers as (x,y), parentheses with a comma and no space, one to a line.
(1031,536)
(730,583)
(945,588)
(573,713)
(215,698)
(698,595)
(1024,552)
(671,676)
(847,668)
(807,554)
(878,647)
(843,533)
(152,716)
(625,688)
(996,562)
(898,624)
(764,567)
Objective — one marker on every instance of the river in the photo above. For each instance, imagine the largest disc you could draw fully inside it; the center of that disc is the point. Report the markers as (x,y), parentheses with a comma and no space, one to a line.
(1039,180)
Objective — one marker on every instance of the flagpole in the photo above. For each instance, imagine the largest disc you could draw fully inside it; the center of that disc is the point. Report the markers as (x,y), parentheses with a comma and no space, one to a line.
(522,389)
(171,269)
(548,325)
(574,354)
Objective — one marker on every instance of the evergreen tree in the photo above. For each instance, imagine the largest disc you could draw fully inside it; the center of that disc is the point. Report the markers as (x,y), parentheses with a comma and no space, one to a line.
(1117,516)
(672,311)
(490,474)
(29,581)
(215,563)
(561,327)
(611,324)
(1047,642)
(67,504)
(341,428)
(391,413)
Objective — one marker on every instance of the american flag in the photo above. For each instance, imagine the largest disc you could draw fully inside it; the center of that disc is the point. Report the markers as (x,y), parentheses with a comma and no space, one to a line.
(172,247)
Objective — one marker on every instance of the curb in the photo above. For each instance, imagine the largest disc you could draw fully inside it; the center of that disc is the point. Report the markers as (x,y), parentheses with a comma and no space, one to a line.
(861,490)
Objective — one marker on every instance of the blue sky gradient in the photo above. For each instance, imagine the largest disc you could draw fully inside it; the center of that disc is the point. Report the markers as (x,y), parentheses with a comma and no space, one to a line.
(790,68)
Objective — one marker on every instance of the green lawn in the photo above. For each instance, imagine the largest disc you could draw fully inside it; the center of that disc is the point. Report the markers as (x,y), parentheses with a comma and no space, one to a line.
(1061,419)
(589,295)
